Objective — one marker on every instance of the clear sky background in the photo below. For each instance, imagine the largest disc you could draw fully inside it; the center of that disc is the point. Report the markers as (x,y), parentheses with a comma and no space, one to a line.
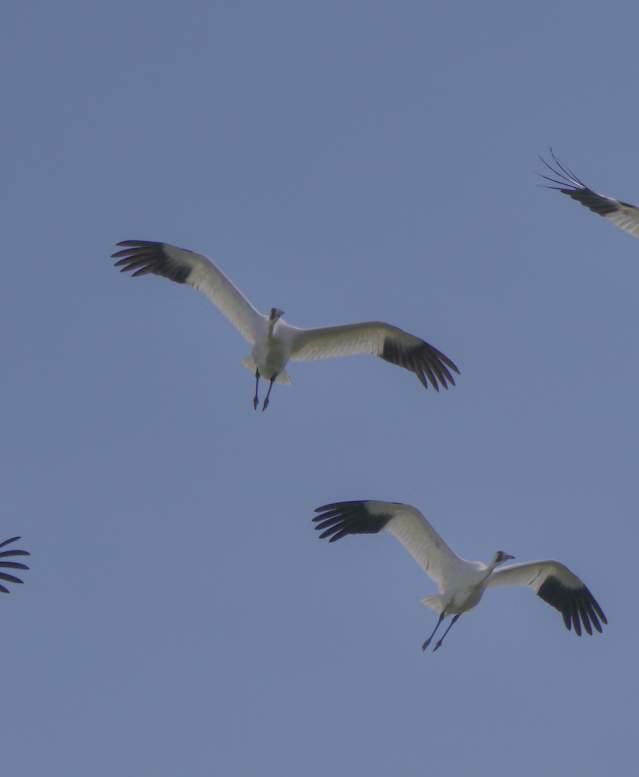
(343,161)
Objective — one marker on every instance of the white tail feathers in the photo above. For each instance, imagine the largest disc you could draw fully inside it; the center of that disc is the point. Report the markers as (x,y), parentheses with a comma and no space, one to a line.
(283,377)
(249,363)
(434,602)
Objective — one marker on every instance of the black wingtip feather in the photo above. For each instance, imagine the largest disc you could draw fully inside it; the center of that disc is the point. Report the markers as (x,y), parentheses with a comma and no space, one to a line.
(577,606)
(141,257)
(430,365)
(13,565)
(568,183)
(338,519)
(9,578)
(9,541)
(11,552)
(138,243)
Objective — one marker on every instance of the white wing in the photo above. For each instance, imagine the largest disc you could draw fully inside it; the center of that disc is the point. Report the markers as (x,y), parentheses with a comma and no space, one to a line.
(184,266)
(404,522)
(392,344)
(7,577)
(557,585)
(622,214)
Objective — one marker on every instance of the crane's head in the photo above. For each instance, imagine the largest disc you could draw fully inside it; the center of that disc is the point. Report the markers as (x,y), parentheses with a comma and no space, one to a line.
(275,314)
(500,557)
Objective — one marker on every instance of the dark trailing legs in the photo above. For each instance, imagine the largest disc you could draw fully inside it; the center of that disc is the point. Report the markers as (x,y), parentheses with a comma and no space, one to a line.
(452,623)
(268,393)
(256,400)
(427,642)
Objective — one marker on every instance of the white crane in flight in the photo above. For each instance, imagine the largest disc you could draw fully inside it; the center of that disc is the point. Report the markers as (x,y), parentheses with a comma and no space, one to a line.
(461,583)
(274,341)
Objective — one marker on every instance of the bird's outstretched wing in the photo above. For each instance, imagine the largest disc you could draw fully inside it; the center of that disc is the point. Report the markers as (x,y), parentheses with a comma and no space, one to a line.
(558,586)
(141,257)
(4,564)
(404,522)
(392,344)
(622,214)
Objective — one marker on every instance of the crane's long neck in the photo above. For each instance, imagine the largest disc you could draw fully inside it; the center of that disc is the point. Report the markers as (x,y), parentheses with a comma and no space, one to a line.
(274,317)
(490,568)
(270,328)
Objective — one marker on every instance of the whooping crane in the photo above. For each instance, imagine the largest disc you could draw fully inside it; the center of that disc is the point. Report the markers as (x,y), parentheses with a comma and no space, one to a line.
(622,214)
(274,341)
(461,583)
(4,554)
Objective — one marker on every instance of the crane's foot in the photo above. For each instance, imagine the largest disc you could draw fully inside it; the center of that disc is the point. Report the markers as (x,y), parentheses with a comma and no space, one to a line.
(268,393)
(256,400)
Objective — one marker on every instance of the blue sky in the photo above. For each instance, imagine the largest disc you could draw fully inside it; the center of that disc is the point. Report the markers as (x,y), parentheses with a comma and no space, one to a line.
(343,161)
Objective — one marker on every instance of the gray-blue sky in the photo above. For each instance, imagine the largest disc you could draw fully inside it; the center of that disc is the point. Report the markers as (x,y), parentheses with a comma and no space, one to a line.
(343,161)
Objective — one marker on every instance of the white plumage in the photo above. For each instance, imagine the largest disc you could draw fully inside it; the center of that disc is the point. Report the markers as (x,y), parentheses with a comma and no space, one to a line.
(274,341)
(461,583)
(622,214)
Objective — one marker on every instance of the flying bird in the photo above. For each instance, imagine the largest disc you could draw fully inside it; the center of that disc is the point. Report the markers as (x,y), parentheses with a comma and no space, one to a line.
(622,214)
(5,554)
(461,583)
(274,341)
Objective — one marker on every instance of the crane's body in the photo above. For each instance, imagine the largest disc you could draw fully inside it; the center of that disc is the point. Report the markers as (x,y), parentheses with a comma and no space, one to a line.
(465,593)
(461,583)
(274,342)
(272,349)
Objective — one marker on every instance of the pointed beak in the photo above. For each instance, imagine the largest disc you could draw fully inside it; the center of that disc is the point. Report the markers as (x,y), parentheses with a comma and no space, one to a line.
(275,314)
